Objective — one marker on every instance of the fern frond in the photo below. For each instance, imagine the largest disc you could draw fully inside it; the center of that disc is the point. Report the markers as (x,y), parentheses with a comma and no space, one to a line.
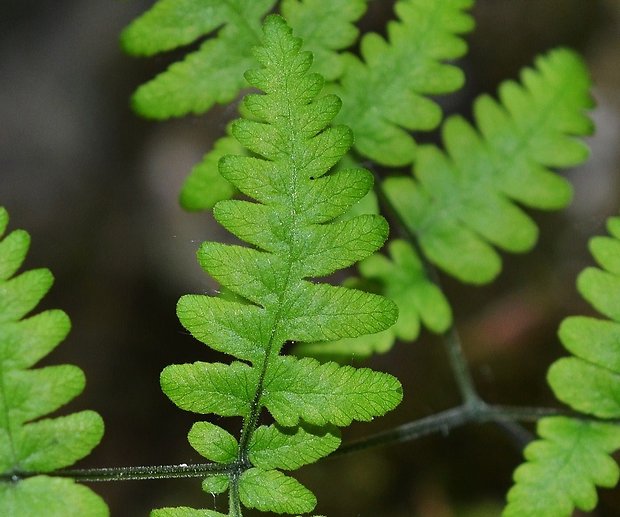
(384,94)
(214,73)
(461,202)
(29,444)
(293,228)
(589,381)
(563,468)
(573,457)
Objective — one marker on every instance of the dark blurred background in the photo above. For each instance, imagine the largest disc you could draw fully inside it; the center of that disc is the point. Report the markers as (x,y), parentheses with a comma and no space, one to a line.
(97,189)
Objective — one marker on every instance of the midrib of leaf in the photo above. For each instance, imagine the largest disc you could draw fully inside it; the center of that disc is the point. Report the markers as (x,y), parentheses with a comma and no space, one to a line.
(525,137)
(252,421)
(9,427)
(568,457)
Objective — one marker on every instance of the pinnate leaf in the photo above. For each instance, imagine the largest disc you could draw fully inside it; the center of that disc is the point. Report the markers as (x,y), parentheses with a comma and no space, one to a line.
(214,72)
(29,444)
(460,204)
(383,93)
(293,222)
(564,467)
(574,456)
(589,380)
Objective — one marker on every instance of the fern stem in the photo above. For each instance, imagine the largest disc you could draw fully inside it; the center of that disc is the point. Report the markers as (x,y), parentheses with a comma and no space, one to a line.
(460,368)
(451,338)
(445,421)
(234,503)
(182,470)
(442,422)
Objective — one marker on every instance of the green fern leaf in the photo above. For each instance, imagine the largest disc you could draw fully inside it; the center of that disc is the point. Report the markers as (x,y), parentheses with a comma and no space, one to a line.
(383,96)
(29,444)
(217,484)
(49,496)
(213,442)
(419,300)
(226,390)
(288,448)
(270,490)
(573,457)
(296,236)
(325,28)
(403,280)
(563,468)
(380,115)
(589,381)
(460,205)
(214,73)
(326,393)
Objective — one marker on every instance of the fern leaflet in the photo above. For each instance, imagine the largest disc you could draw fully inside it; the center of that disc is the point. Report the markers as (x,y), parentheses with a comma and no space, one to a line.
(573,456)
(291,226)
(383,95)
(588,381)
(325,28)
(214,73)
(459,204)
(404,281)
(29,444)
